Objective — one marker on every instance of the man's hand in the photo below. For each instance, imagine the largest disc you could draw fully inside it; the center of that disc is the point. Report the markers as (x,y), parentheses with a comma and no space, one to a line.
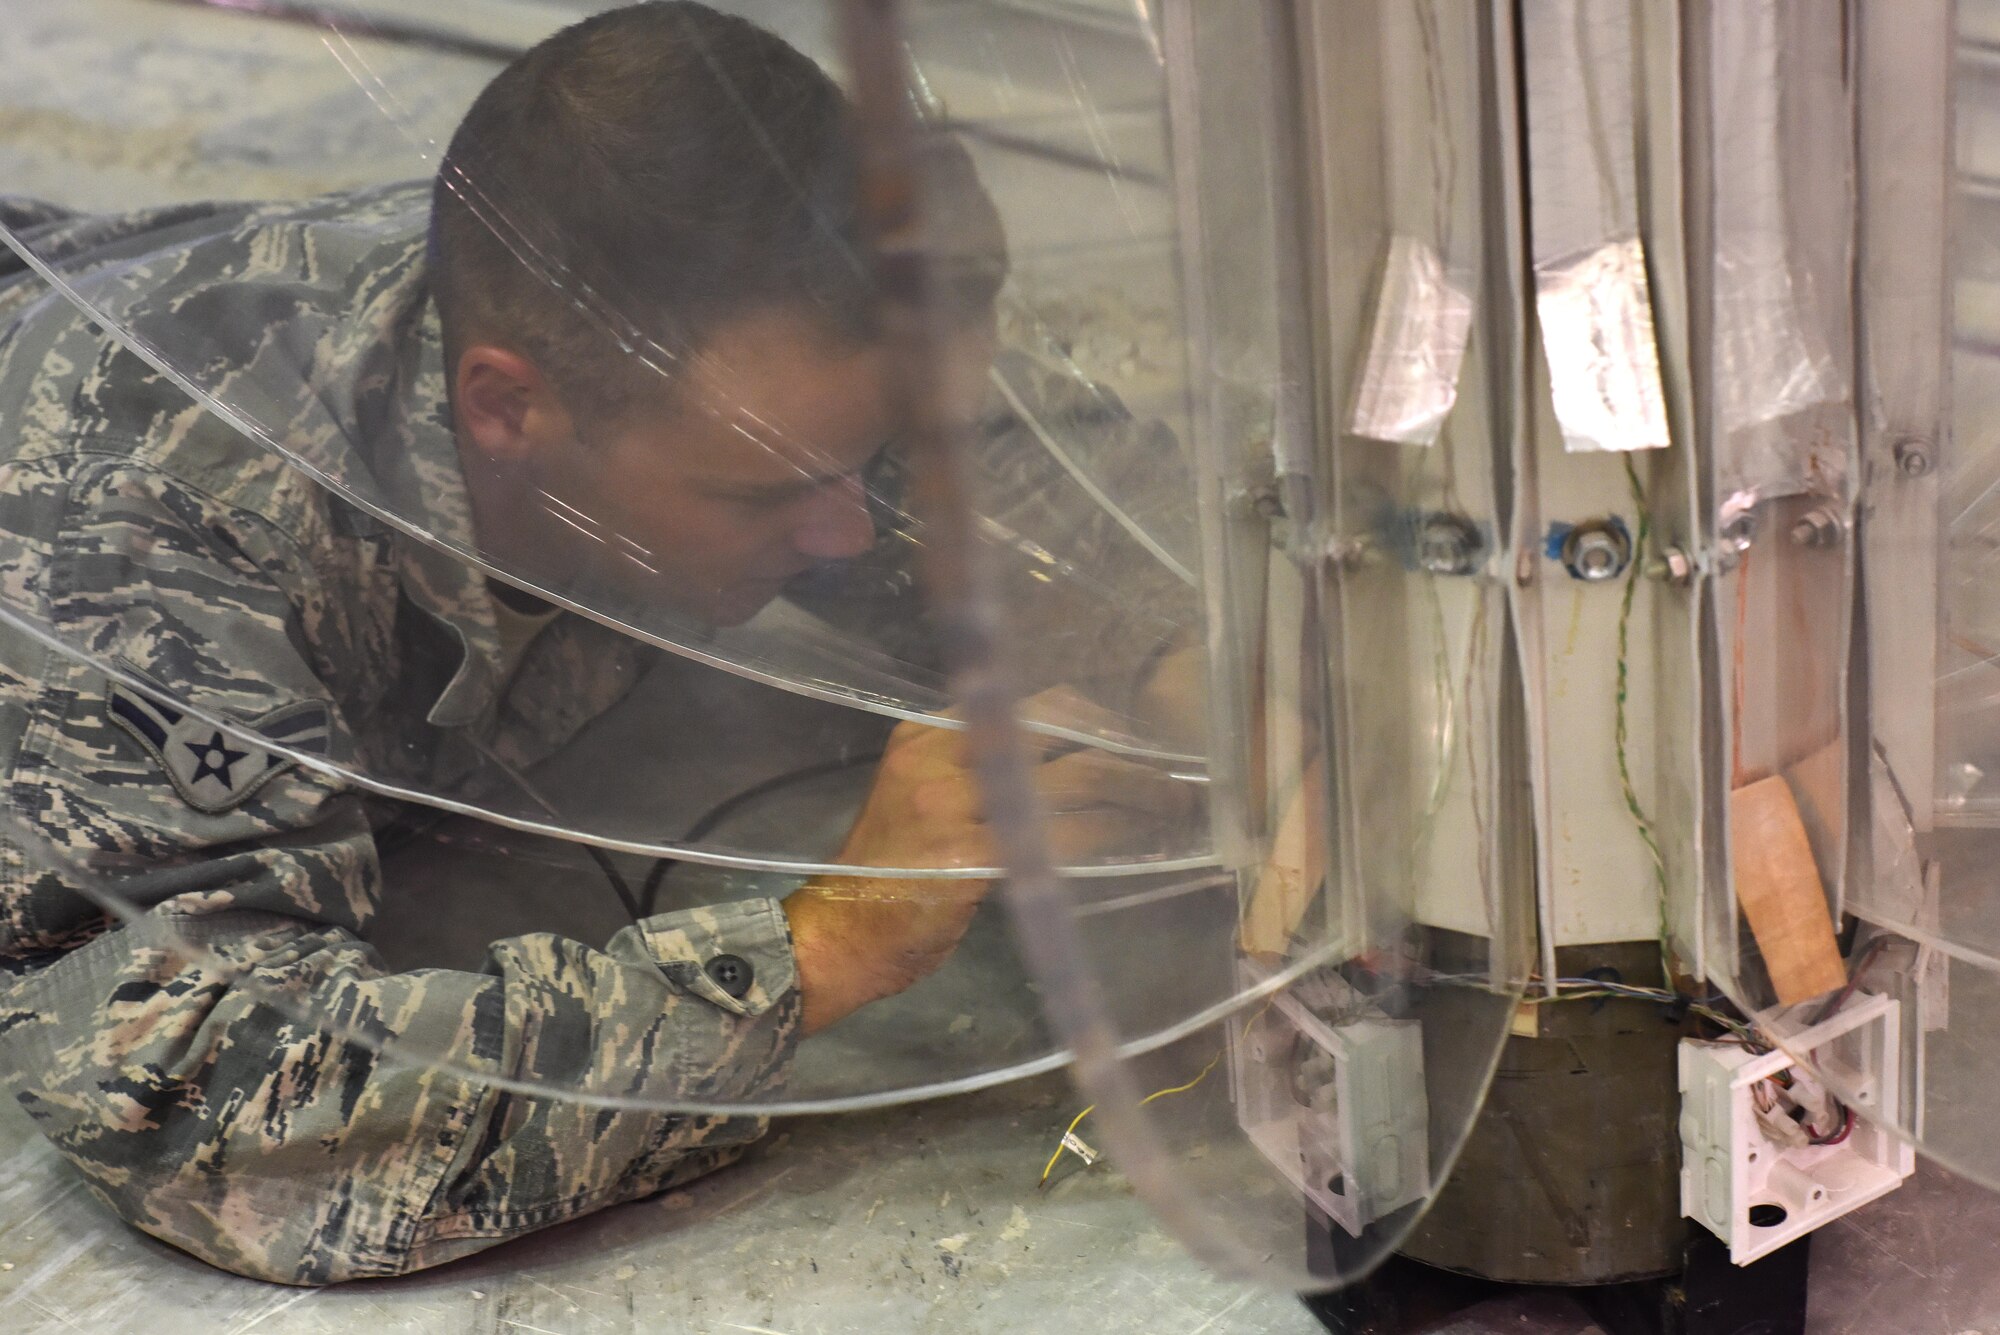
(858,939)
(1173,700)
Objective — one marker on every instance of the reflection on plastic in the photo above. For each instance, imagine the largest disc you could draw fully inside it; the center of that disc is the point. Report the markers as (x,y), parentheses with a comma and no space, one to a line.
(1772,358)
(1423,318)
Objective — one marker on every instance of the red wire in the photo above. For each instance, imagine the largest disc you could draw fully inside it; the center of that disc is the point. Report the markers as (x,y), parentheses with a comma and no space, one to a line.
(1846,1129)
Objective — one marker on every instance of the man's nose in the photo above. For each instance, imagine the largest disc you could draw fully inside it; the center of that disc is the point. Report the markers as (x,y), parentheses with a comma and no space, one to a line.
(836,523)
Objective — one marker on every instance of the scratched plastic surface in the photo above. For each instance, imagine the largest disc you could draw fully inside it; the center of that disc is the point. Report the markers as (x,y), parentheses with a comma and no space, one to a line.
(1017,445)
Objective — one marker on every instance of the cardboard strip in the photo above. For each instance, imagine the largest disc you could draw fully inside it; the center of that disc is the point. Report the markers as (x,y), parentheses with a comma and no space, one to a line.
(1778,884)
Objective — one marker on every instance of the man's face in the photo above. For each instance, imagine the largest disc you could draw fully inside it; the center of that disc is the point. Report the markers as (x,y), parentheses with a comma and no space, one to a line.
(742,474)
(749,471)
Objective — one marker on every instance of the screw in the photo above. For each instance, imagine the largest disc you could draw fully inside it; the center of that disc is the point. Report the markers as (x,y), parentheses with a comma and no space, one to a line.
(1346,552)
(1819,528)
(1738,532)
(1913,457)
(1674,565)
(1448,544)
(1257,502)
(1596,552)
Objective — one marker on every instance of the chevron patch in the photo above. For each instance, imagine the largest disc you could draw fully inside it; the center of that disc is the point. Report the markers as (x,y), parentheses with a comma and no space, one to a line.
(212,770)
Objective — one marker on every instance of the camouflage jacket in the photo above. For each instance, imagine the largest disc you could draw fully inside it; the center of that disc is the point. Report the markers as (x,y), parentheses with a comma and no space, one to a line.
(175,1060)
(198,1064)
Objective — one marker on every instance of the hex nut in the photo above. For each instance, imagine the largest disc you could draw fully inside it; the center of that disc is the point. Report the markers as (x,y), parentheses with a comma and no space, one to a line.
(1596,552)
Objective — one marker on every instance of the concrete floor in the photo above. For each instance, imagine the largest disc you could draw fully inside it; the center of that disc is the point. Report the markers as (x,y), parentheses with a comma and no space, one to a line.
(922,1218)
(916,1218)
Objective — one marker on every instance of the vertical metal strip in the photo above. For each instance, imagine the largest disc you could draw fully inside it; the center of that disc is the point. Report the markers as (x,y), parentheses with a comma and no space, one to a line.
(1904,162)
(1692,401)
(1503,320)
(1526,429)
(1303,484)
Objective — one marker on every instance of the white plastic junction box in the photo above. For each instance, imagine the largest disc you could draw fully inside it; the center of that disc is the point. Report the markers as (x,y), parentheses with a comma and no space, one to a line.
(1339,1109)
(1755,1191)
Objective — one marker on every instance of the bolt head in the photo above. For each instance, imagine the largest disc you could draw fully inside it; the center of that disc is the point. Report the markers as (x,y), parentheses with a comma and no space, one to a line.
(1913,458)
(1819,528)
(1448,544)
(1596,552)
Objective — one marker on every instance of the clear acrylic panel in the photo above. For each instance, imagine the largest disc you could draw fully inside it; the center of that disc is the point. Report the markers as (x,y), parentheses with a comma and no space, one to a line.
(1358,956)
(1932,911)
(1229,546)
(497,588)
(1776,345)
(1856,764)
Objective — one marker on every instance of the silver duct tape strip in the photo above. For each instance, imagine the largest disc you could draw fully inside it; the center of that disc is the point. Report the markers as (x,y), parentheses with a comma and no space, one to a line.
(1591,297)
(1596,317)
(1423,320)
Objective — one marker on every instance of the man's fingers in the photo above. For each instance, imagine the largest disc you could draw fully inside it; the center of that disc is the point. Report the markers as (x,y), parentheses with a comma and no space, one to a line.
(900,891)
(1067,708)
(1094,779)
(1082,835)
(1062,707)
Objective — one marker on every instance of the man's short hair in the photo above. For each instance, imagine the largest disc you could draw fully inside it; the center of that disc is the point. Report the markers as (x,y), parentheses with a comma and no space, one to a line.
(640,178)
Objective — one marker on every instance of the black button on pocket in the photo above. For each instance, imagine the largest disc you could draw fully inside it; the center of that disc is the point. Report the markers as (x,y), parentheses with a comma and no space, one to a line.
(731,973)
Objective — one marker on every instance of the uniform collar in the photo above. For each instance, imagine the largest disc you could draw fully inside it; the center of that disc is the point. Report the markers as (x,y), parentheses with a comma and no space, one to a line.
(404,426)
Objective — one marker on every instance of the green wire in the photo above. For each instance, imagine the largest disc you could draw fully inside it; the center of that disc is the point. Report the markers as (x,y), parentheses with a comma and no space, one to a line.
(1640,820)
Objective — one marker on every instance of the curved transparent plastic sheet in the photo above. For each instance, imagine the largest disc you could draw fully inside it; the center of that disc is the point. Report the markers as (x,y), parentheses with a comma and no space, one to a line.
(1875,827)
(581,660)
(1930,937)
(1801,1114)
(1342,986)
(1783,463)
(575,539)
(351,400)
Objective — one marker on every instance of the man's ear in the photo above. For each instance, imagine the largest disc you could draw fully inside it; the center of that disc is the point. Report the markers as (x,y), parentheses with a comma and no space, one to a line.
(504,405)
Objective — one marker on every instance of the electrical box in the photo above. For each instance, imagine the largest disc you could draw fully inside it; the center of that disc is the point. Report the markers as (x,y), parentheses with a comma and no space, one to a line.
(1335,1101)
(1754,1171)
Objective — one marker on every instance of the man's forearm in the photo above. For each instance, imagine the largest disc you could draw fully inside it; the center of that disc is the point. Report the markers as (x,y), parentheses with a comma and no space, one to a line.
(349,1163)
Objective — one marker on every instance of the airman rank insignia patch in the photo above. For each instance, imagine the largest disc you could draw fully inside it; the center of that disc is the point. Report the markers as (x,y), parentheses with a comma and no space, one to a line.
(212,770)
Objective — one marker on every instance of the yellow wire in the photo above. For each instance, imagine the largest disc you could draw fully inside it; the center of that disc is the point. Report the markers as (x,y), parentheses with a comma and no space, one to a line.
(1077,1121)
(1156,1094)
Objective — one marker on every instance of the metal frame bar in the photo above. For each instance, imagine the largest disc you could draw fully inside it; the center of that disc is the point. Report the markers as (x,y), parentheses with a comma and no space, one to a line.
(1904,165)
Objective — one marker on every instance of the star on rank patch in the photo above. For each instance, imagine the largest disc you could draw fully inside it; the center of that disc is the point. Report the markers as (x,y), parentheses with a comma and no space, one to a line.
(211,769)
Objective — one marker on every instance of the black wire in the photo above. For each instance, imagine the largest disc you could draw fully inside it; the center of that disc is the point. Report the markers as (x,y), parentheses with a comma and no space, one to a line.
(619,885)
(641,906)
(1839,999)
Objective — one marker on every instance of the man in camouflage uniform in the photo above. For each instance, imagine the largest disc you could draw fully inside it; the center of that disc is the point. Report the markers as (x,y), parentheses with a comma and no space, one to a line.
(179,570)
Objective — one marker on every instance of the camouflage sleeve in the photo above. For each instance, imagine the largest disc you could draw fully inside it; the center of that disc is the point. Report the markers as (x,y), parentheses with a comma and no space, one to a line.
(1086,602)
(233,1071)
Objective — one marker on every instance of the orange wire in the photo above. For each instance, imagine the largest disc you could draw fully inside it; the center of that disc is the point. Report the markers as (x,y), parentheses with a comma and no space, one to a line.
(1736,674)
